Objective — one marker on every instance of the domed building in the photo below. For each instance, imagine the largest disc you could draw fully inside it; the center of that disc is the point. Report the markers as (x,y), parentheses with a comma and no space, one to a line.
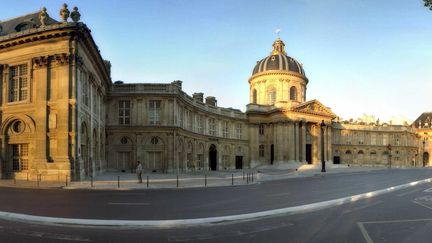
(63,118)
(284,126)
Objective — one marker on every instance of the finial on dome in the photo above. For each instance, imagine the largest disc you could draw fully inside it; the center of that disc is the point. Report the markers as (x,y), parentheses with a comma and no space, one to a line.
(278,47)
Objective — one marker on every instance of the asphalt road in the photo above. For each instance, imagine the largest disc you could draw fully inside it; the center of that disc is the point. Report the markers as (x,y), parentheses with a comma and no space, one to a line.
(400,216)
(200,202)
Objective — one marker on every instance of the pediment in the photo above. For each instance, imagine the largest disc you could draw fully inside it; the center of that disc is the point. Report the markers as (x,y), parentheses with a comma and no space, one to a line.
(314,107)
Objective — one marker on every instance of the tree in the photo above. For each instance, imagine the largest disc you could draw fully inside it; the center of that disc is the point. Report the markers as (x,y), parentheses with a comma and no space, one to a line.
(428,3)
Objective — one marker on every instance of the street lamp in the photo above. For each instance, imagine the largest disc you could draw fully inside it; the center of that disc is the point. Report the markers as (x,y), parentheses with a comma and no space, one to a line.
(322,125)
(389,147)
(424,159)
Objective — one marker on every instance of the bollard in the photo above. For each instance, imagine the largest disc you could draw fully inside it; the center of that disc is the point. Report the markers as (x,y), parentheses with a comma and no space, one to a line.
(147,181)
(91,180)
(66,181)
(118,181)
(14,179)
(205,180)
(252,176)
(232,179)
(247,178)
(177,181)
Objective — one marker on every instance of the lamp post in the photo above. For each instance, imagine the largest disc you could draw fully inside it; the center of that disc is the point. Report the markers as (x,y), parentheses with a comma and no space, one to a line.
(322,125)
(389,147)
(424,159)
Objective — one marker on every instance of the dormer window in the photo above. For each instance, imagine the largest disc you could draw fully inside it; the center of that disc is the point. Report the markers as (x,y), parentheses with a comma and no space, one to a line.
(24,26)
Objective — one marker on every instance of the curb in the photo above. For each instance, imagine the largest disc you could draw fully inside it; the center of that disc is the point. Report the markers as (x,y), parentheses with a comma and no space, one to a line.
(153,224)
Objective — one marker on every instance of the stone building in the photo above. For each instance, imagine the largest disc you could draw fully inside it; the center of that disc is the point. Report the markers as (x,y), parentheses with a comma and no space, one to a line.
(54,82)
(62,116)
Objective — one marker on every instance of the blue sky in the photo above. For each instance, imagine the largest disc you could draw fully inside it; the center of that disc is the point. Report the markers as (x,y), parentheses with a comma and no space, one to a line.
(361,56)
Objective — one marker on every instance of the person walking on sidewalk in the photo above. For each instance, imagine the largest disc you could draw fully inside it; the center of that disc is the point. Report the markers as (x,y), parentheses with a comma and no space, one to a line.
(139,170)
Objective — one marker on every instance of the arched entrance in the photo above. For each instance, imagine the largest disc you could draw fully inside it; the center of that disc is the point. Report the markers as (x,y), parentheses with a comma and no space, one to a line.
(271,154)
(85,150)
(213,157)
(425,159)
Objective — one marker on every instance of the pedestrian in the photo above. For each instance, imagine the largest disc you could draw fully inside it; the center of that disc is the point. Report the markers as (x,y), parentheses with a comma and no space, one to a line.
(139,170)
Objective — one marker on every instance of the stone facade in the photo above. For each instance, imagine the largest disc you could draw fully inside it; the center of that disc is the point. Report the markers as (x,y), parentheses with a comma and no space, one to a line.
(63,118)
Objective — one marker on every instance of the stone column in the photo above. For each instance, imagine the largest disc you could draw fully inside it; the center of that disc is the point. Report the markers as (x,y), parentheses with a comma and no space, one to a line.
(40,83)
(303,141)
(297,141)
(315,143)
(329,144)
(291,142)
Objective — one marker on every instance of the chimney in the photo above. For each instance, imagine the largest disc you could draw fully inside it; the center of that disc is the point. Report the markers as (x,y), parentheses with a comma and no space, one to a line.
(211,100)
(199,97)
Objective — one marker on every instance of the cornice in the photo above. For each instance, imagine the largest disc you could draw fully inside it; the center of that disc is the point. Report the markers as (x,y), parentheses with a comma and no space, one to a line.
(278,72)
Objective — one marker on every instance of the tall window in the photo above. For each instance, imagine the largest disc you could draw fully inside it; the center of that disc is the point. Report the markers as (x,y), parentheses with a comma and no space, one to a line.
(261,129)
(373,139)
(124,112)
(154,111)
(85,88)
(261,151)
(212,127)
(225,129)
(271,95)
(19,83)
(254,96)
(200,125)
(239,131)
(19,157)
(293,93)
(385,139)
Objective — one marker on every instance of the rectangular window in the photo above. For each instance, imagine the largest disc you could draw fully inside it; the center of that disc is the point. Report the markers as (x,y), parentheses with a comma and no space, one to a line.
(124,112)
(261,151)
(200,159)
(261,129)
(200,125)
(239,131)
(154,112)
(385,139)
(373,139)
(18,83)
(212,127)
(225,129)
(20,157)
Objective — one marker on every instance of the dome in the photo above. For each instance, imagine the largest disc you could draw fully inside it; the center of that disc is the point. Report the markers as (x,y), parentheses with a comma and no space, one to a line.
(278,61)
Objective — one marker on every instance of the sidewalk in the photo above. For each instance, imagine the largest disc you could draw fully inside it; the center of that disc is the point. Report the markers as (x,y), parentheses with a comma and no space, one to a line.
(129,181)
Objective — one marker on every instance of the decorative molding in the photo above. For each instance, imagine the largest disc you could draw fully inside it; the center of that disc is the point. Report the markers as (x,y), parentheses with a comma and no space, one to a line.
(40,62)
(61,59)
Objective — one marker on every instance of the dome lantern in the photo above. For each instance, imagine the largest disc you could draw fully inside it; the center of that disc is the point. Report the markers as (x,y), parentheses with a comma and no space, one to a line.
(278,47)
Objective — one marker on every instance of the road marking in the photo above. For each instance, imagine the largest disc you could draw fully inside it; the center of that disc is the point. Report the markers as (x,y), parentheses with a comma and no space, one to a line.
(44,235)
(362,207)
(171,223)
(278,194)
(364,232)
(428,190)
(421,204)
(408,192)
(128,203)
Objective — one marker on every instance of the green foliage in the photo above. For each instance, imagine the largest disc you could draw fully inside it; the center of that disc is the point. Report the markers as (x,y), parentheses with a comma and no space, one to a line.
(428,3)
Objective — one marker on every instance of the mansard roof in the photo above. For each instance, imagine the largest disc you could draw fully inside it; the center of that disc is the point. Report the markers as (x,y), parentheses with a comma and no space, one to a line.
(423,121)
(23,22)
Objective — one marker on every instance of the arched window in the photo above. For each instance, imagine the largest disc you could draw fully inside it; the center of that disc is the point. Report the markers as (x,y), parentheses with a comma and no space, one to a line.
(271,95)
(293,93)
(254,96)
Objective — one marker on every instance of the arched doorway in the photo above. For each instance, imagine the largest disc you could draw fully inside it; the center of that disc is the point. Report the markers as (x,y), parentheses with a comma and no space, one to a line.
(425,159)
(213,157)
(84,149)
(271,154)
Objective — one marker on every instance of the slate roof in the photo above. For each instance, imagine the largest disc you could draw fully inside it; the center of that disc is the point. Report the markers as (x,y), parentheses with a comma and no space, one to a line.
(423,121)
(16,24)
